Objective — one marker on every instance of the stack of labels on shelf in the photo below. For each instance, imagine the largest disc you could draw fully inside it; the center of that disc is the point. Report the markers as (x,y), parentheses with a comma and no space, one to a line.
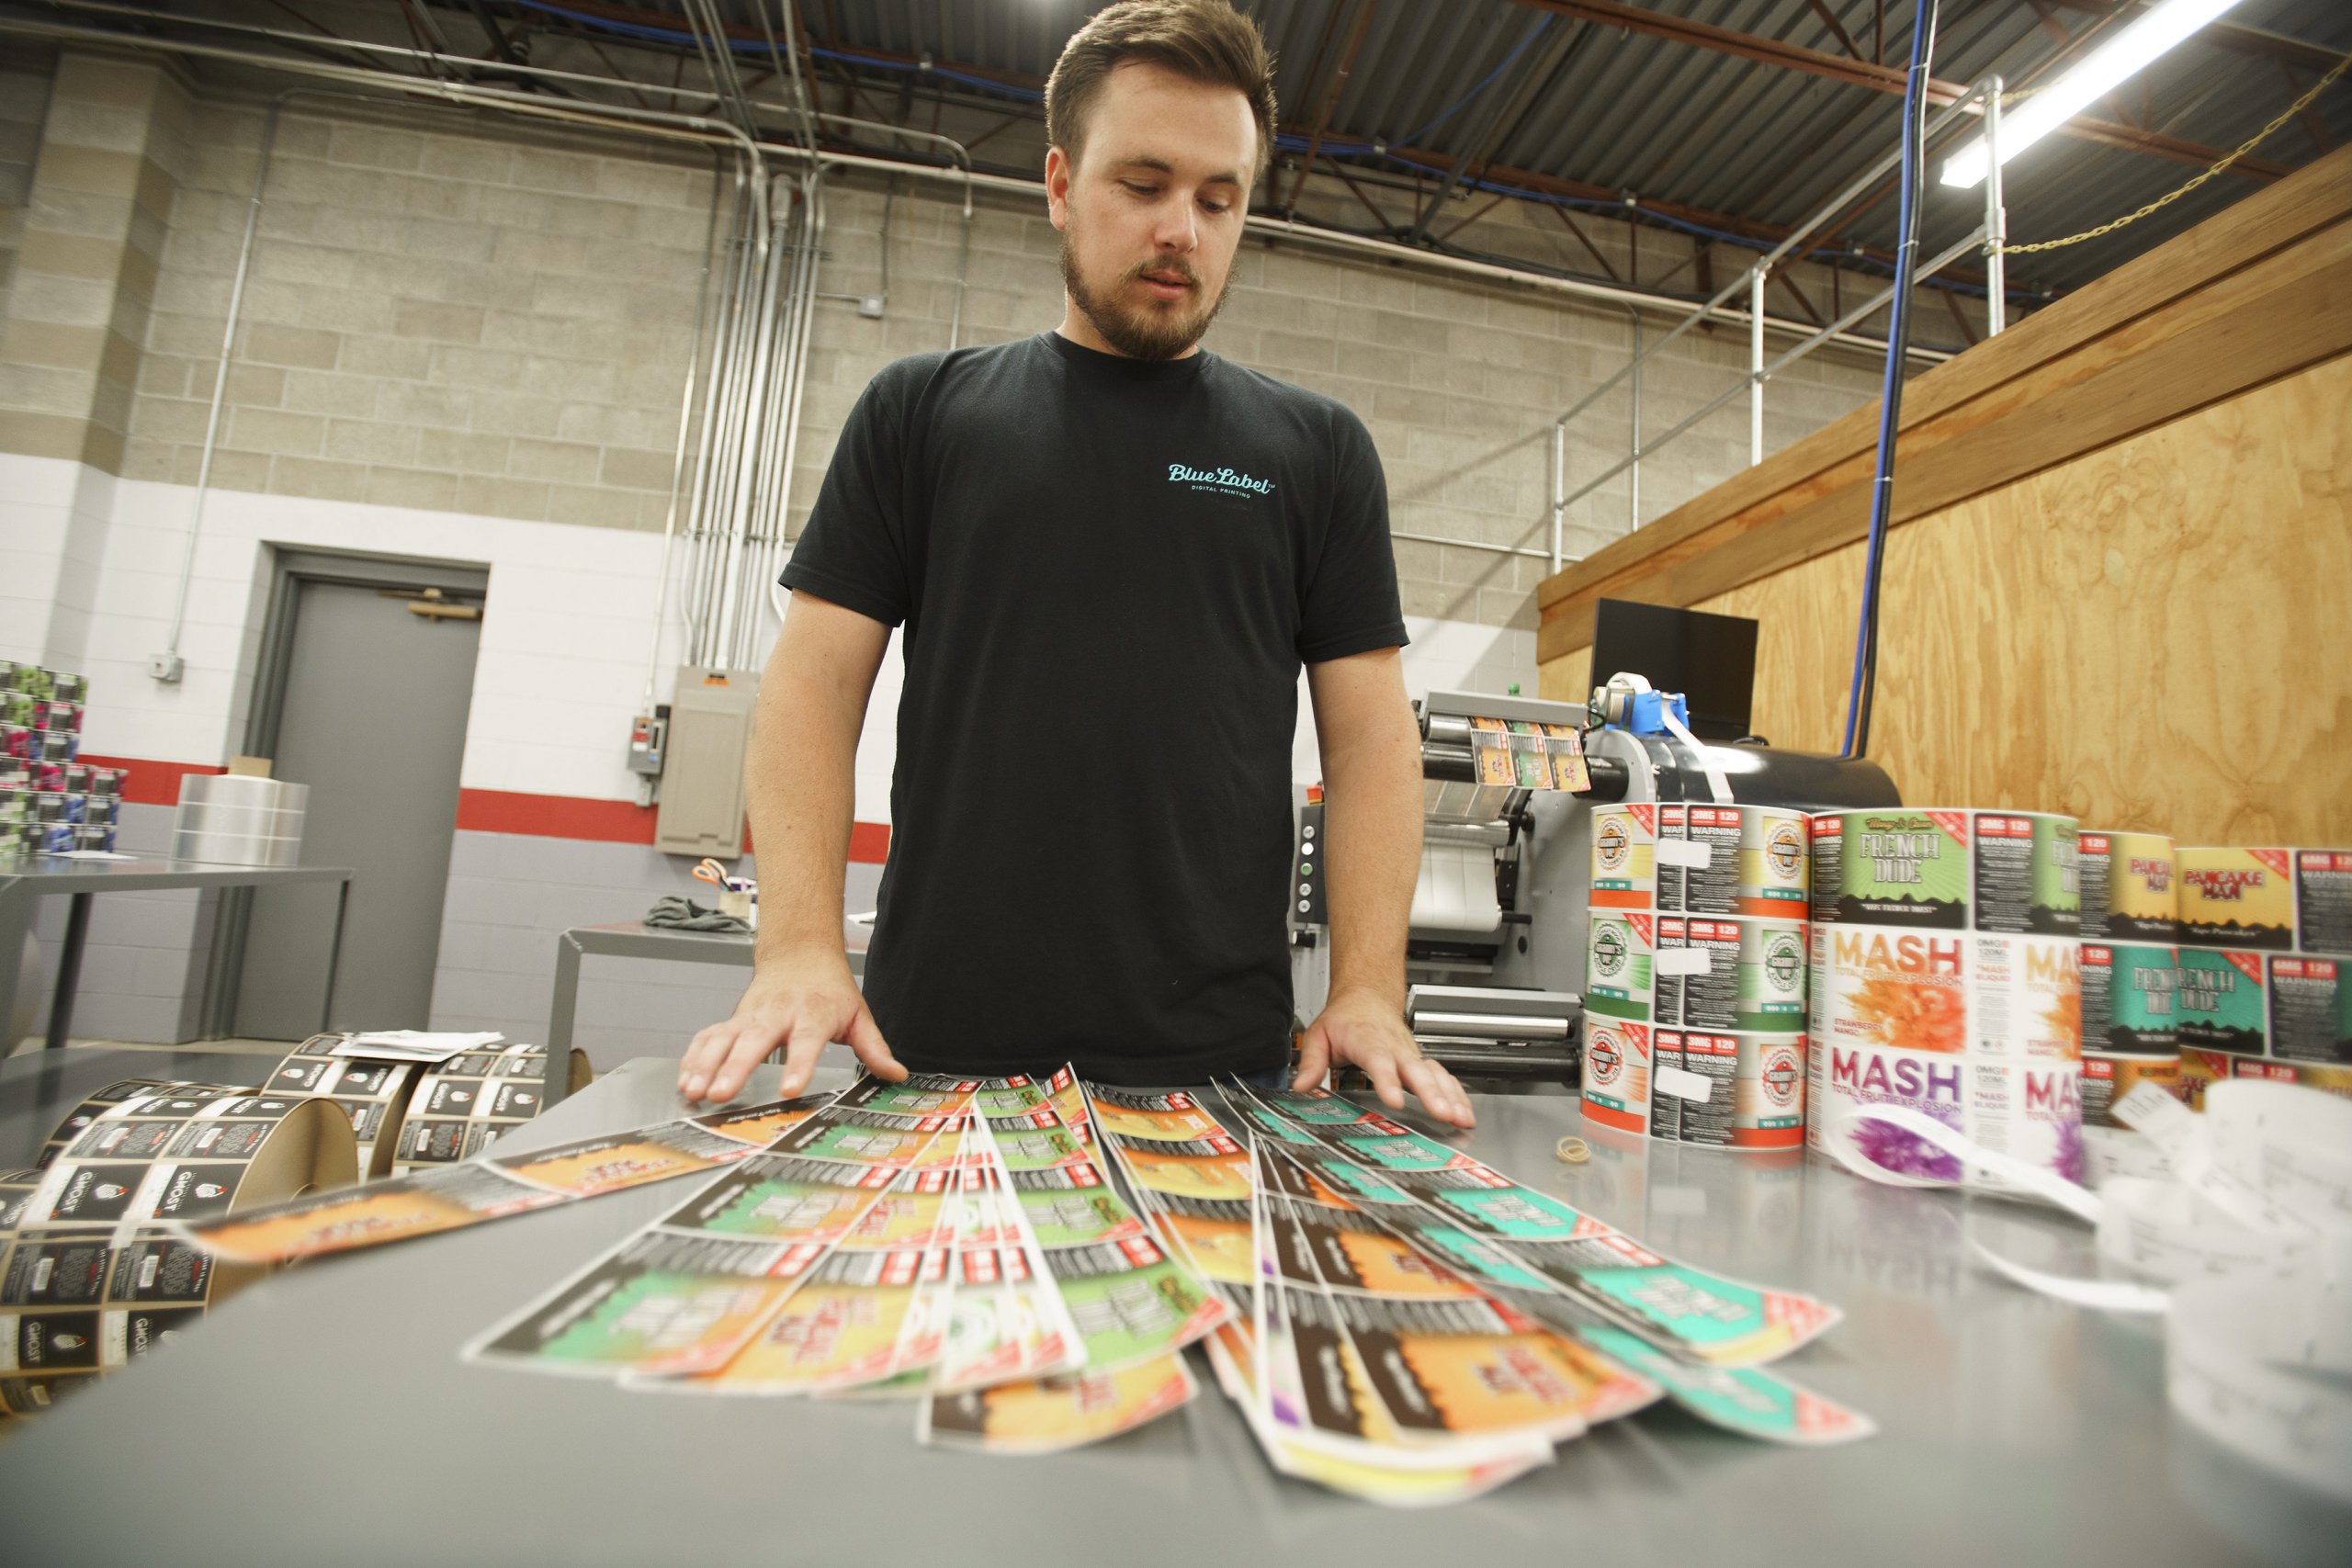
(462,1105)
(1947,980)
(1696,970)
(2254,1227)
(469,1193)
(373,1093)
(95,1273)
(2266,966)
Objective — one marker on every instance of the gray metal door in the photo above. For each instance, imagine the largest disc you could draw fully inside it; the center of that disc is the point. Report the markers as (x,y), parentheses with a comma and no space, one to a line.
(372,716)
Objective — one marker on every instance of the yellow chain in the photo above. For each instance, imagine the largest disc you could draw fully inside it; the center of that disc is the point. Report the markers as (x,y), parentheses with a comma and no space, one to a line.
(2256,139)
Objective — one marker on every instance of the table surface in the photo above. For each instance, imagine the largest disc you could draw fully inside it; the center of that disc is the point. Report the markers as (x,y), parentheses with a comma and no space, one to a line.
(634,939)
(55,873)
(327,1411)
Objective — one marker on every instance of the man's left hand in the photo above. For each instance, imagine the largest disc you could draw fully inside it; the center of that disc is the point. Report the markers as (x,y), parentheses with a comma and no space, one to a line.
(1367,1032)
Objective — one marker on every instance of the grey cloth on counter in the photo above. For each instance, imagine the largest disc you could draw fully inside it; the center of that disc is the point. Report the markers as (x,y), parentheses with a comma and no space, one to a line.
(677,914)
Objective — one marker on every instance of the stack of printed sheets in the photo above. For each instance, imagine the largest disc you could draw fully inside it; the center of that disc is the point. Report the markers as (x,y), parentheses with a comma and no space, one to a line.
(1024,1263)
(1419,1328)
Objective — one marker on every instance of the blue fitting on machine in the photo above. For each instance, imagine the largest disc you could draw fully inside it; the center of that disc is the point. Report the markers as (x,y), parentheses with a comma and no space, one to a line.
(1645,718)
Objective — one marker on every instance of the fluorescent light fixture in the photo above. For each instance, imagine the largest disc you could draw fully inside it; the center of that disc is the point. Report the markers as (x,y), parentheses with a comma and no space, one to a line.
(2100,72)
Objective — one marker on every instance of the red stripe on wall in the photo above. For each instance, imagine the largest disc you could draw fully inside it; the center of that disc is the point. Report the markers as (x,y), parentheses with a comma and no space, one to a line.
(554,815)
(869,842)
(151,782)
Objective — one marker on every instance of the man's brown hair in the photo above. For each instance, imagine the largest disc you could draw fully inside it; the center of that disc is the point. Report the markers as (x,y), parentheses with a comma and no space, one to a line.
(1203,40)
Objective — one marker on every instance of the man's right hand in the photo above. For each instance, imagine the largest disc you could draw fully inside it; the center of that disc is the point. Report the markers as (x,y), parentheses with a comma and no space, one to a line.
(800,1006)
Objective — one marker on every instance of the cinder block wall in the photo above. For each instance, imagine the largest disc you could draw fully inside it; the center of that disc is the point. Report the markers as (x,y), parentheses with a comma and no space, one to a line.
(442,315)
(466,339)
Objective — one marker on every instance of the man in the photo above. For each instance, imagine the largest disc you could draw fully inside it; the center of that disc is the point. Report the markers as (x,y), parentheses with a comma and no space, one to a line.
(1112,552)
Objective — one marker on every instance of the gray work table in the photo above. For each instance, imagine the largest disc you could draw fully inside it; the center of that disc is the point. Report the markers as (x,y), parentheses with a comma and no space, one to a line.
(24,879)
(325,1412)
(628,939)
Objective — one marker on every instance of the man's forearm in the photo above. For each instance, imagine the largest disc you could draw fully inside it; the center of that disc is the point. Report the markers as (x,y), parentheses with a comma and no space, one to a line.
(801,793)
(1371,816)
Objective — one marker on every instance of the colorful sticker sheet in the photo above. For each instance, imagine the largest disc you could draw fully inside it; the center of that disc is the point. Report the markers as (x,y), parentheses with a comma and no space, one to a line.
(1511,1236)
(490,1187)
(1696,1334)
(955,1242)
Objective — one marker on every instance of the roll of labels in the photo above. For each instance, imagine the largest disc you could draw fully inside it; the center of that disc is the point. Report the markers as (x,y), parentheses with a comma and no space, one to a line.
(2265,987)
(1946,979)
(93,1275)
(1695,974)
(2244,1244)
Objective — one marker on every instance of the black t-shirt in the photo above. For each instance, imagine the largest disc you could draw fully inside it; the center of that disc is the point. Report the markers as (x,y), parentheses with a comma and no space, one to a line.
(1109,571)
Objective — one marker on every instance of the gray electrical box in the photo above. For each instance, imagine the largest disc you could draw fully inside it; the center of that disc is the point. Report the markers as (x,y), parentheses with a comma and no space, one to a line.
(702,779)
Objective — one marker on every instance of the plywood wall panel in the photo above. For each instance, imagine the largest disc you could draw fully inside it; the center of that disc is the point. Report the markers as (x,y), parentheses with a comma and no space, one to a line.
(2157,636)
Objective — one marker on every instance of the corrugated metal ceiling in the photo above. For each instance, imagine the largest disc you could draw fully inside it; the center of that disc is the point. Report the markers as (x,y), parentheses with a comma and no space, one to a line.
(1666,121)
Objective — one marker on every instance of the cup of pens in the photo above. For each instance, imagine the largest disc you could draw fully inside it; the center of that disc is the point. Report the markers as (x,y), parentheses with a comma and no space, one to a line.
(738,895)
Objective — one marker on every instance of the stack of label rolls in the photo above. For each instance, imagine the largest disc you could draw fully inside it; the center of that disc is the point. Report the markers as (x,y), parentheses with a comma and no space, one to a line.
(2266,954)
(1695,974)
(2131,968)
(1947,979)
(94,1271)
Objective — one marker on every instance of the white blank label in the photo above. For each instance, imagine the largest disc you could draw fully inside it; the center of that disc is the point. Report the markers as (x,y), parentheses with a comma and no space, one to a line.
(1684,961)
(1684,1085)
(1681,851)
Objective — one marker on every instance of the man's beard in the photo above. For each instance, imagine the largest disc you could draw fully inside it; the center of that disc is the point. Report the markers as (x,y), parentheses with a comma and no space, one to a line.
(1145,333)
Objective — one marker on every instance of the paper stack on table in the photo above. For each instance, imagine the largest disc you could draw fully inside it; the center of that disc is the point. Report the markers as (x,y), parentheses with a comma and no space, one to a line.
(411,1045)
(949,1241)
(1024,1263)
(1420,1329)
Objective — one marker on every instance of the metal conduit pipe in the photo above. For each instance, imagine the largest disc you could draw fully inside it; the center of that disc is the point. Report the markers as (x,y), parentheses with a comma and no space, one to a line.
(760,521)
(716,391)
(686,429)
(800,324)
(799,389)
(735,425)
(747,456)
(717,429)
(220,370)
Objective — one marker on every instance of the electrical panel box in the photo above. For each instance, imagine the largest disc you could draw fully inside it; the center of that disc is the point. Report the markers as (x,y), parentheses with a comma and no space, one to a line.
(702,777)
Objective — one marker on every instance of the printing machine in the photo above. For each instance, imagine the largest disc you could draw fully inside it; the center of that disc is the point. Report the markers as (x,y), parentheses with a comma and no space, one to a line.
(1496,956)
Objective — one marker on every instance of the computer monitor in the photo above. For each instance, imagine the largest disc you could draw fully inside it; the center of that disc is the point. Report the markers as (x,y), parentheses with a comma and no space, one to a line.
(1711,660)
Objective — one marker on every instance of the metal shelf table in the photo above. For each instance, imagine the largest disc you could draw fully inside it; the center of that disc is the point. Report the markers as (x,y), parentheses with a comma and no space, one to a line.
(34,877)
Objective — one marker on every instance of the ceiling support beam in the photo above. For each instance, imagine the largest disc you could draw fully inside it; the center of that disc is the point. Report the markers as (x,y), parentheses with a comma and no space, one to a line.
(1880,79)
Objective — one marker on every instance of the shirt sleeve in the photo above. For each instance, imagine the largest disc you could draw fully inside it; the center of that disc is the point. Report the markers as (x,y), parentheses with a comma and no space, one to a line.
(854,551)
(1350,603)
